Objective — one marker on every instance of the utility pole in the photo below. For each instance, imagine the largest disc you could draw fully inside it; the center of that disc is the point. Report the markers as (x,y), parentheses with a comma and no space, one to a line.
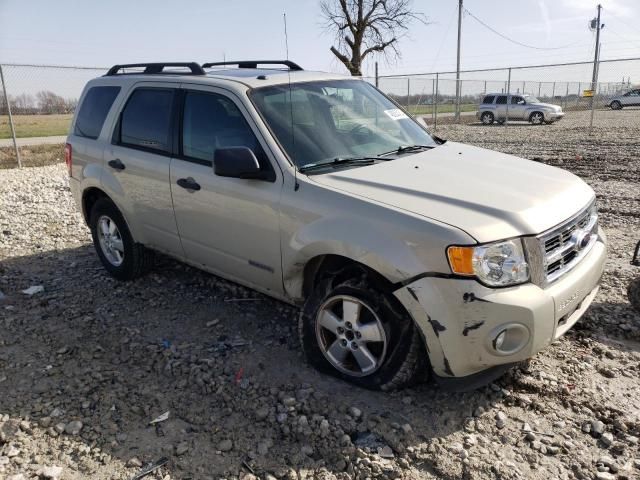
(458,62)
(595,24)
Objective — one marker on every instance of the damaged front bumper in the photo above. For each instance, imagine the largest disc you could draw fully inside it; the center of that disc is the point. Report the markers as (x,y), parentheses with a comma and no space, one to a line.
(475,332)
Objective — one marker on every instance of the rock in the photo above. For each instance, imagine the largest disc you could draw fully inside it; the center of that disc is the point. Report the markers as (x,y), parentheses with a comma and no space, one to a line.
(501,420)
(597,428)
(134,462)
(385,452)
(182,448)
(225,445)
(530,436)
(73,428)
(12,451)
(262,413)
(605,476)
(607,439)
(17,476)
(355,412)
(33,289)
(51,473)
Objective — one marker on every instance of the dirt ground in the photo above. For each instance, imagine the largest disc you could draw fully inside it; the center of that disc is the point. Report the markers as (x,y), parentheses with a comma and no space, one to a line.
(88,363)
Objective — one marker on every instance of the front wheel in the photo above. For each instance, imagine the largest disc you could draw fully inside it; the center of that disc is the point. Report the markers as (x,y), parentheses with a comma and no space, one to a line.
(356,331)
(536,118)
(615,105)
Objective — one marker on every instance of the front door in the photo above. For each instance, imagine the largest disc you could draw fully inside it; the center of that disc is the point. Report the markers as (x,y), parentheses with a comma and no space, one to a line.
(228,225)
(516,107)
(631,98)
(501,107)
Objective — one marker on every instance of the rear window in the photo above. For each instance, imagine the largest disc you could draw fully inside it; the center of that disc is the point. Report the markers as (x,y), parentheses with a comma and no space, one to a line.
(488,99)
(502,100)
(146,119)
(93,111)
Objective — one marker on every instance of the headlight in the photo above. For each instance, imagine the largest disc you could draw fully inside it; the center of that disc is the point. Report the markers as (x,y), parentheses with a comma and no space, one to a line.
(497,264)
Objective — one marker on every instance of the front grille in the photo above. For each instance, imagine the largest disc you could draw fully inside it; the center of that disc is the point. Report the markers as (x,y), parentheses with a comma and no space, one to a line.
(564,246)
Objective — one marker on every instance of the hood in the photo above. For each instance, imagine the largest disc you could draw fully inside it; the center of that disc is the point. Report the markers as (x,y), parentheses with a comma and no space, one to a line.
(548,106)
(489,195)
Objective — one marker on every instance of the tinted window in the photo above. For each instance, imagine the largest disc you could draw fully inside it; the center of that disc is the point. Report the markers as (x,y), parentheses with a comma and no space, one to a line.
(488,99)
(516,100)
(93,111)
(502,100)
(213,121)
(146,119)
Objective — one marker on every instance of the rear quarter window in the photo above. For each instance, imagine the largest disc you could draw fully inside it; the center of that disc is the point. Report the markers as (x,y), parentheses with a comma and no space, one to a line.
(93,111)
(488,99)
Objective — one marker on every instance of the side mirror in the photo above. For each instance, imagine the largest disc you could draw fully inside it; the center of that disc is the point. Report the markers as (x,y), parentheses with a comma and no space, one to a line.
(237,162)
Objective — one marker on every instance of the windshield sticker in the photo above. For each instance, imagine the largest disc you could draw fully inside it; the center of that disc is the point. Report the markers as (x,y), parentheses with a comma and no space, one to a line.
(395,114)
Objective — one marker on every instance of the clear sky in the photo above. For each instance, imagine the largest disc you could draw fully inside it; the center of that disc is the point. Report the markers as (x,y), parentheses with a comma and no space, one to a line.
(102,33)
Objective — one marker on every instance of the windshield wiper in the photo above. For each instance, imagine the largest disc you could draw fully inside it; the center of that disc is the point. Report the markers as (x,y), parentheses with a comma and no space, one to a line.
(338,161)
(406,149)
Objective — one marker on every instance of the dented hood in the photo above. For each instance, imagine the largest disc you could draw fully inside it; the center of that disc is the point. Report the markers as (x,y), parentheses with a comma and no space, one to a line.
(489,195)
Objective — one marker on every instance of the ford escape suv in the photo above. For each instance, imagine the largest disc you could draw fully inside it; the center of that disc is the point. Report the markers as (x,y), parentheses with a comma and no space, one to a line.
(407,253)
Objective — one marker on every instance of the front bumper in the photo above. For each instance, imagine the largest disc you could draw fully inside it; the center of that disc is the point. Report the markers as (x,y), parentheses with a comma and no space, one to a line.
(553,116)
(460,318)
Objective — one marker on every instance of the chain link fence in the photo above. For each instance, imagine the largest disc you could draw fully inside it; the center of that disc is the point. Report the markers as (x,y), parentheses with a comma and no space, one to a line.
(37,101)
(432,96)
(36,107)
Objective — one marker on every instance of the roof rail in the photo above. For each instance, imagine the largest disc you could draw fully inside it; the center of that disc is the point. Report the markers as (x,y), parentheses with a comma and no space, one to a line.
(151,68)
(255,63)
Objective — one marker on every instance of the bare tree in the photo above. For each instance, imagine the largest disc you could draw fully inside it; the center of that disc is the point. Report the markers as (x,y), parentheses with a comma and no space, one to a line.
(363,27)
(49,102)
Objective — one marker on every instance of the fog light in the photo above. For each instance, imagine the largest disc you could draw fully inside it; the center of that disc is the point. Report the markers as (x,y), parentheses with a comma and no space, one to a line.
(508,339)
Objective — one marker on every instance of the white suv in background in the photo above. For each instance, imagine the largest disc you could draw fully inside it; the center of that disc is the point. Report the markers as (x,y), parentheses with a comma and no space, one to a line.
(407,253)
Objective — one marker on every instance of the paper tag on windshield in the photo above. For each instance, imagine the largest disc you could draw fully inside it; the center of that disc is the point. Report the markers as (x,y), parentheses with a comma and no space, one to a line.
(395,114)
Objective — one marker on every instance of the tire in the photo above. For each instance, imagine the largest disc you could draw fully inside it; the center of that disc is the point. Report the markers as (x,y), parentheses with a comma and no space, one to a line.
(396,362)
(536,118)
(487,118)
(633,292)
(616,105)
(120,255)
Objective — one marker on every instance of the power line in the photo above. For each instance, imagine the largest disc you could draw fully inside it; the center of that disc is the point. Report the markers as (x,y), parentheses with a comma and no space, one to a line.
(515,41)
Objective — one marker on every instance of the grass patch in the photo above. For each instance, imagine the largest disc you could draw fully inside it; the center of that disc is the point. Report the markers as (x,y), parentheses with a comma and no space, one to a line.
(32,156)
(445,108)
(36,125)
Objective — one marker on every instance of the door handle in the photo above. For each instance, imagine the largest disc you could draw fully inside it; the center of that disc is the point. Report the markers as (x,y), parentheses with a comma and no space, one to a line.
(188,183)
(116,164)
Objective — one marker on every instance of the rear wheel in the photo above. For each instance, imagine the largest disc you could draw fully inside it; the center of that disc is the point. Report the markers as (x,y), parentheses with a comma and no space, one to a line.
(615,105)
(120,255)
(487,118)
(536,118)
(355,330)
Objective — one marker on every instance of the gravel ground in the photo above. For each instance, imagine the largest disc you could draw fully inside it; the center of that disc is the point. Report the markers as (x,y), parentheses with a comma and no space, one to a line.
(88,363)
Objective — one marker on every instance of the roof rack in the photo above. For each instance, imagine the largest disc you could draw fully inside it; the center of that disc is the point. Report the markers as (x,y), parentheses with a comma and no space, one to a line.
(151,68)
(255,63)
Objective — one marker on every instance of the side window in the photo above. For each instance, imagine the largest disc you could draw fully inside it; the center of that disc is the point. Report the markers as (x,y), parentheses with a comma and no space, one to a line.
(93,111)
(146,119)
(488,99)
(516,100)
(213,121)
(502,100)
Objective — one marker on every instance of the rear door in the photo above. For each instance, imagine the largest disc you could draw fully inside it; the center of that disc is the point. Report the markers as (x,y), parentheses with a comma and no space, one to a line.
(228,225)
(631,98)
(501,107)
(138,161)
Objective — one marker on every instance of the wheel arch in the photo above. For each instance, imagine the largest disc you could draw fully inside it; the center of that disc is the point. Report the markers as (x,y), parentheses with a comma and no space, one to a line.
(89,198)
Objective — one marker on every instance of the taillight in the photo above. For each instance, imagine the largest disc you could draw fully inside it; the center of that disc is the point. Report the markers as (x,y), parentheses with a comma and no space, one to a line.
(68,157)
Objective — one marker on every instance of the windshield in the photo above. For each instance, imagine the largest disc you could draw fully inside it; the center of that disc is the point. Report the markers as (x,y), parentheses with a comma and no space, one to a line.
(531,99)
(335,120)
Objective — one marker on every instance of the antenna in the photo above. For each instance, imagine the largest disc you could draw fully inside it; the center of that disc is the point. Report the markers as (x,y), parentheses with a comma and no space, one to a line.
(296,185)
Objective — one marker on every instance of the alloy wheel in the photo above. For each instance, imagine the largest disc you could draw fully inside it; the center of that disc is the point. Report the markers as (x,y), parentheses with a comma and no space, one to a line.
(351,335)
(110,241)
